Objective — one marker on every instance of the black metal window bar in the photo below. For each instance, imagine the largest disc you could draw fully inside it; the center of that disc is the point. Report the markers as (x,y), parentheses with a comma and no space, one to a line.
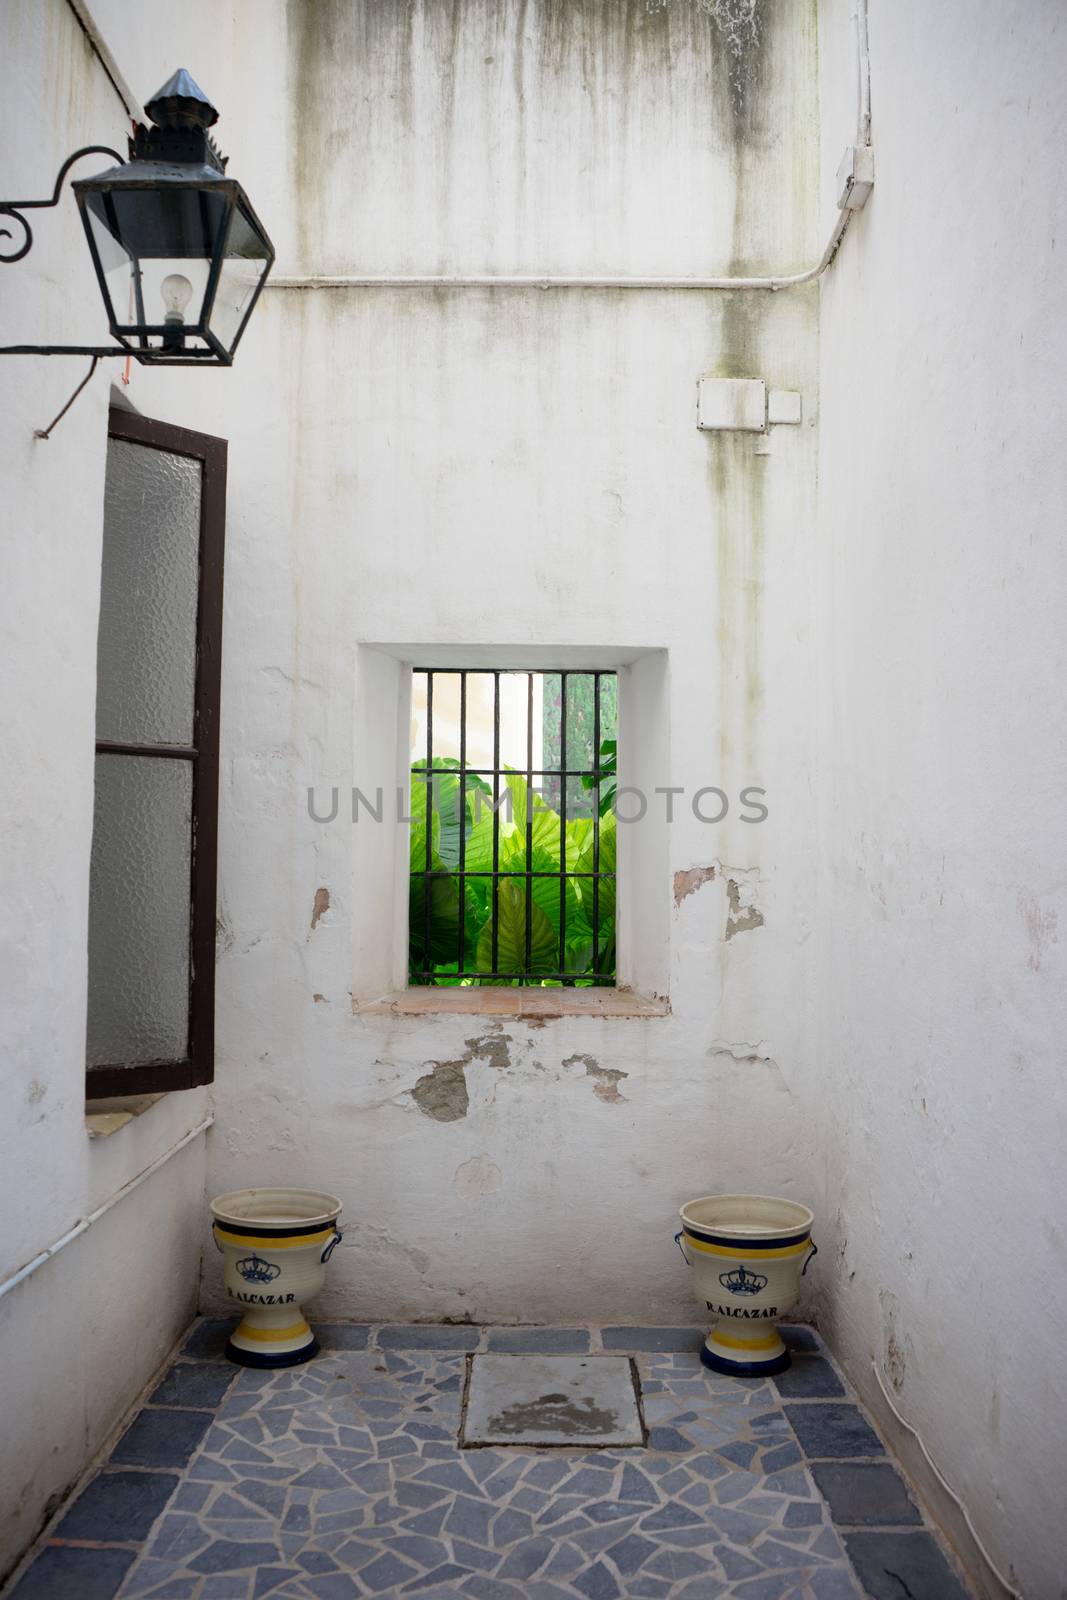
(566,881)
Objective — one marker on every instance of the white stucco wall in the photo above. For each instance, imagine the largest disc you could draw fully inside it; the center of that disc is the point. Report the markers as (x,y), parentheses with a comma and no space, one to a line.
(514,470)
(941,968)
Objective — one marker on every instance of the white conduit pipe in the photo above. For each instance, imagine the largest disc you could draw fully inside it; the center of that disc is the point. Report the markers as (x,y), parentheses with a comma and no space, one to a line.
(863,57)
(94,1216)
(1010,1591)
(790,280)
(443,281)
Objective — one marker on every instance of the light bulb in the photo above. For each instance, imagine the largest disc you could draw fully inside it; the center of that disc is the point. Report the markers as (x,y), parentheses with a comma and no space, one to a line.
(177,291)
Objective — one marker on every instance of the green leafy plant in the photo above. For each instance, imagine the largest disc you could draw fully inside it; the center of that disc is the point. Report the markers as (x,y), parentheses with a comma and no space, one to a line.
(436,905)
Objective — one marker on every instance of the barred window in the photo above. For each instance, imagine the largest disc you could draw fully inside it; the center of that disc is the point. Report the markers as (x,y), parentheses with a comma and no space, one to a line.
(513,828)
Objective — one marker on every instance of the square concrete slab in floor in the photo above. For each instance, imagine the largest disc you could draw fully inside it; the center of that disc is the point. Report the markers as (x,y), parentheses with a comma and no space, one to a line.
(551,1400)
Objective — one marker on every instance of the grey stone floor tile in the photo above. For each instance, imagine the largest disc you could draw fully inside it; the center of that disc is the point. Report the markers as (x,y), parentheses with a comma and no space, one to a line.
(119,1507)
(207,1340)
(343,1335)
(910,1563)
(809,1377)
(194,1383)
(797,1336)
(161,1438)
(429,1336)
(861,1493)
(652,1339)
(66,1573)
(830,1430)
(550,1341)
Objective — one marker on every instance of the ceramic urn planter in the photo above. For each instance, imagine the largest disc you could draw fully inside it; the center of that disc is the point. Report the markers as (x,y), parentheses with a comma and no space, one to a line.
(748,1253)
(275,1245)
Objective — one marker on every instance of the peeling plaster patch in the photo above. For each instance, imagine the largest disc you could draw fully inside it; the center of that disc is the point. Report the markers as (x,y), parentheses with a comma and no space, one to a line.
(442,1093)
(319,999)
(477,1176)
(320,907)
(606,1086)
(743,914)
(687,883)
(490,1048)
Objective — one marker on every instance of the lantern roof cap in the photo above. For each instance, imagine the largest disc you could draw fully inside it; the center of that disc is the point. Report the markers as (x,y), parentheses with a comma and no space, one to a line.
(181,103)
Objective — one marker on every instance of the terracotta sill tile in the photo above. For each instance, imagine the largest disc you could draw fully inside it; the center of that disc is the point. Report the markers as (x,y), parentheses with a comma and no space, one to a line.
(540,1004)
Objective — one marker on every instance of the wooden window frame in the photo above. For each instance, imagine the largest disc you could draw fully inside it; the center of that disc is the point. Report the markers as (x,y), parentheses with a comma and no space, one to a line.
(198,1065)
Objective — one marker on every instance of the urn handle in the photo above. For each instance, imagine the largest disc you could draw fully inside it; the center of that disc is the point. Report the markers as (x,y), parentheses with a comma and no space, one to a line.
(808,1260)
(332,1246)
(681,1246)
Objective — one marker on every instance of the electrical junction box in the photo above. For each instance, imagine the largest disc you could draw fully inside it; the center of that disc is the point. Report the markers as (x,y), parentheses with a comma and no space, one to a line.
(743,405)
(732,404)
(855,177)
(783,405)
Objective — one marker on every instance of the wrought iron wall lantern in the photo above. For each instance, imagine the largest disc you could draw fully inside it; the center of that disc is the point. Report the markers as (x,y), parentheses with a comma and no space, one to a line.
(179,253)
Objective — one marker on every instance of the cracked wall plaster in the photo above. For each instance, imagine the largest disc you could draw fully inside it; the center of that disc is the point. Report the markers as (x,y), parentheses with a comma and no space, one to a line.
(606,1079)
(741,890)
(688,882)
(320,907)
(442,1092)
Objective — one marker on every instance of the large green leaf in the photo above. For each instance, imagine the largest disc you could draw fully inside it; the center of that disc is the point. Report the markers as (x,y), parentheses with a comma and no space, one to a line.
(511,935)
(606,859)
(444,918)
(447,808)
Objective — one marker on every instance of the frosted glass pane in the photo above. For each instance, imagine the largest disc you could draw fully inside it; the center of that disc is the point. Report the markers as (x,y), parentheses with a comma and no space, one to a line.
(139,911)
(146,652)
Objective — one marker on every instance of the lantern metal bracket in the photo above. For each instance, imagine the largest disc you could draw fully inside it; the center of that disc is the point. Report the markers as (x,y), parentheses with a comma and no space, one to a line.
(15,208)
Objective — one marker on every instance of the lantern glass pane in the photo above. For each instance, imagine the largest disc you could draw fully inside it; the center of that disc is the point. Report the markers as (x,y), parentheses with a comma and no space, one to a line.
(156,245)
(246,260)
(162,219)
(116,268)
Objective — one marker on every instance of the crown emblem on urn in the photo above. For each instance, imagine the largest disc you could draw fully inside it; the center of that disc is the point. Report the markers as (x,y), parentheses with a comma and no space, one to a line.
(255,1270)
(741,1281)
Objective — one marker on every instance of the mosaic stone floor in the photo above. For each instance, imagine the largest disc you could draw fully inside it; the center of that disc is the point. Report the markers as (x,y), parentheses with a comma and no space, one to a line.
(342,1479)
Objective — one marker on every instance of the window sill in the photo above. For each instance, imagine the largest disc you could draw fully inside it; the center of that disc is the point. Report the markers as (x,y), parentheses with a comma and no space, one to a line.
(528,1004)
(105,1117)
